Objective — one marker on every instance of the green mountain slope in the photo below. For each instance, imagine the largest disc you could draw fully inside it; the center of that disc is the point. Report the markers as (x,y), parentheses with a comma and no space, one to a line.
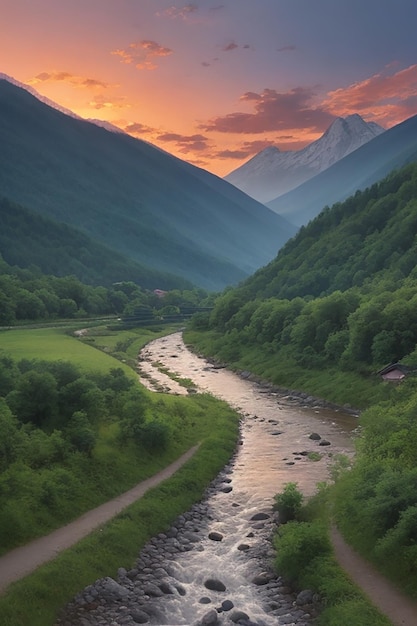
(27,238)
(342,294)
(132,197)
(372,232)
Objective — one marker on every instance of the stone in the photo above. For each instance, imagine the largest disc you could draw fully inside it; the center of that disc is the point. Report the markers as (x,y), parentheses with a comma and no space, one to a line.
(153,590)
(215,536)
(210,618)
(111,590)
(304,597)
(243,547)
(227,605)
(238,616)
(315,436)
(324,442)
(204,600)
(139,617)
(214,584)
(227,489)
(166,588)
(259,516)
(261,579)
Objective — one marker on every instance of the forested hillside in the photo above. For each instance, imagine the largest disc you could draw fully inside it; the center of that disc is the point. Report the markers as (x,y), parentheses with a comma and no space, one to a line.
(369,235)
(29,239)
(343,291)
(337,304)
(132,197)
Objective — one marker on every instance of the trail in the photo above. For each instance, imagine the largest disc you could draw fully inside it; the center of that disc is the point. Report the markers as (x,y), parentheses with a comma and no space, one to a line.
(400,609)
(23,560)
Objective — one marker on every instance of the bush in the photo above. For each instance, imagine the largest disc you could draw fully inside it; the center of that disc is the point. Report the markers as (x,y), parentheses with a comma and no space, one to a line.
(288,503)
(155,435)
(297,545)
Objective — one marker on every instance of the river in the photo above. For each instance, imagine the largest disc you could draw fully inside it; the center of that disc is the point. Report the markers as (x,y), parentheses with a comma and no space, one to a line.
(275,448)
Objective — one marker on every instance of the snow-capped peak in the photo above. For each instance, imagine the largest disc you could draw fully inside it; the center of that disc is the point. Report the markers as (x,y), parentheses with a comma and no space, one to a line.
(270,173)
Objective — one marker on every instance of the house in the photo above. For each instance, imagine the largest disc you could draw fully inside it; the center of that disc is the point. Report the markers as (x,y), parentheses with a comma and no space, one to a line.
(394,372)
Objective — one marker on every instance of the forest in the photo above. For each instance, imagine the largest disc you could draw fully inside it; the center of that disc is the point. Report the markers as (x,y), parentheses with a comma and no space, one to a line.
(28,295)
(30,240)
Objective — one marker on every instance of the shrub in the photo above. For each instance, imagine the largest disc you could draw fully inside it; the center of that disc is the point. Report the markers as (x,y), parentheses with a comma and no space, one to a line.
(155,435)
(288,503)
(297,545)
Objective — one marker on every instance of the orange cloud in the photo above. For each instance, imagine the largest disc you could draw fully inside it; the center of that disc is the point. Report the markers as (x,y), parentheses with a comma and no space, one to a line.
(142,53)
(106,102)
(185,143)
(136,128)
(274,111)
(386,99)
(77,81)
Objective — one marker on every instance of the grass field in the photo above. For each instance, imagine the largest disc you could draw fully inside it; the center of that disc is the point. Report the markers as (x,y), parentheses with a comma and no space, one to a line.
(51,344)
(94,351)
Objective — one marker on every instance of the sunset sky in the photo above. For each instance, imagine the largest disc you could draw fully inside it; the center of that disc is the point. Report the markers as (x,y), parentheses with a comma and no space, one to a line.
(215,81)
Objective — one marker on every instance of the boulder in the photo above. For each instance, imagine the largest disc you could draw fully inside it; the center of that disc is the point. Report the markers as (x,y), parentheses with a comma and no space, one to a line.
(210,618)
(305,597)
(215,536)
(214,584)
(139,617)
(259,516)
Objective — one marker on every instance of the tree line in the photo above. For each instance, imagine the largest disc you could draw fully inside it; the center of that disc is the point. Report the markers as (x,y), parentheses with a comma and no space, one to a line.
(29,295)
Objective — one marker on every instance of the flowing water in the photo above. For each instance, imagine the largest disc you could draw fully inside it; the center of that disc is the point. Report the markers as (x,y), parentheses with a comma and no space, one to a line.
(274,442)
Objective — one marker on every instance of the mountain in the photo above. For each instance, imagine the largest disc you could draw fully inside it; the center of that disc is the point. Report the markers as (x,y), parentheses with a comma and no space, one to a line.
(28,239)
(368,164)
(347,244)
(130,196)
(272,173)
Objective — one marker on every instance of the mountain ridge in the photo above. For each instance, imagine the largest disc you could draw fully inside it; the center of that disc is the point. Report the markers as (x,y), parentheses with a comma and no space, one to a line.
(132,197)
(273,172)
(365,166)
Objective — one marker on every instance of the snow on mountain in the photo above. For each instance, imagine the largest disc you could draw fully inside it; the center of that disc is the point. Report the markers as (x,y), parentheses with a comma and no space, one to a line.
(54,105)
(271,173)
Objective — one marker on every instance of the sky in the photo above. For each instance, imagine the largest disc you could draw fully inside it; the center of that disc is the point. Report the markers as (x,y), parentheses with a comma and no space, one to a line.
(216,81)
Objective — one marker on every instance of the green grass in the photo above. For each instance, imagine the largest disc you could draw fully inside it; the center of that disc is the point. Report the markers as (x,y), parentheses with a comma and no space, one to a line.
(51,344)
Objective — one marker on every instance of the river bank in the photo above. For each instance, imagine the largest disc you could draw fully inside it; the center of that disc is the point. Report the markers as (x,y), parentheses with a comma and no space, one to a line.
(167,585)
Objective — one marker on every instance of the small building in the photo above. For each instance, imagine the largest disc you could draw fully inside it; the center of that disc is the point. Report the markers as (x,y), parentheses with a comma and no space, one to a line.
(394,372)
(160,293)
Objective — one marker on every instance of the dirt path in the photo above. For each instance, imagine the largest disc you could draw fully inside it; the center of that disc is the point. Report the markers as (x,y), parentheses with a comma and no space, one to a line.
(22,561)
(390,601)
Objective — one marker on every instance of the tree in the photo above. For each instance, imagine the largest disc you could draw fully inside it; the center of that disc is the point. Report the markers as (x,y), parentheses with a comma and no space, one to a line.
(80,433)
(35,398)
(10,436)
